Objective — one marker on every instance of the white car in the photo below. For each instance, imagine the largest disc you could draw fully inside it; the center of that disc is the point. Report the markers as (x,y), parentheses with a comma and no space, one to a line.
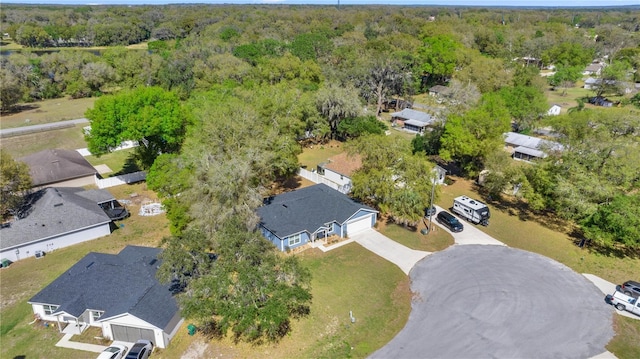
(115,351)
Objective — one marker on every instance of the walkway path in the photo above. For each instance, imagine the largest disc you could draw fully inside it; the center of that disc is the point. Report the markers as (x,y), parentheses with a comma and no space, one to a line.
(17,131)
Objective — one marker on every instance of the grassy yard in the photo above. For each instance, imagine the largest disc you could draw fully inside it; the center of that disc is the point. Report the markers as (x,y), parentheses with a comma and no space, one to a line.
(25,278)
(46,111)
(551,237)
(349,278)
(120,162)
(411,237)
(68,138)
(312,156)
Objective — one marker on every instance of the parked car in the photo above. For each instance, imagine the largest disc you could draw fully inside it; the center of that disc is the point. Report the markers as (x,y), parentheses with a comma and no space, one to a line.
(115,351)
(631,288)
(140,350)
(448,220)
(624,302)
(430,211)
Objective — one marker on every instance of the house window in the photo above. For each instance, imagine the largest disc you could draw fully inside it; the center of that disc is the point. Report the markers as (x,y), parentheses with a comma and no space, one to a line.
(49,309)
(295,239)
(95,315)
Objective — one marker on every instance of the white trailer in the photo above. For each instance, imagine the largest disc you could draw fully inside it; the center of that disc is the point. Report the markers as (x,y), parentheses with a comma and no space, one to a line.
(472,210)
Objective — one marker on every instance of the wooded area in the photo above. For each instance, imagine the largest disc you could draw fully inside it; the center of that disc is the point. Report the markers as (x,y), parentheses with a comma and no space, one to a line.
(224,97)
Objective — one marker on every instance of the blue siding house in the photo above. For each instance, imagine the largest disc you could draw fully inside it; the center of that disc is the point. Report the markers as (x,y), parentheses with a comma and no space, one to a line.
(296,218)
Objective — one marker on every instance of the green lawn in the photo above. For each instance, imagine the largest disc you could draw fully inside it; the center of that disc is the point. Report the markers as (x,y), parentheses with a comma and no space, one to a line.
(120,162)
(69,138)
(46,111)
(349,278)
(316,154)
(411,237)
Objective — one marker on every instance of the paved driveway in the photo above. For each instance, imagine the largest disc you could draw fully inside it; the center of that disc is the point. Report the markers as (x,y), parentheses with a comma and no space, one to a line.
(478,301)
(394,252)
(470,234)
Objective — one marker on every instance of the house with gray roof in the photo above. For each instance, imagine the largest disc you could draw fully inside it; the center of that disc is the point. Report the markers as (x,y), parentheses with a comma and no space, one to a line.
(118,293)
(53,218)
(293,219)
(528,148)
(412,120)
(62,168)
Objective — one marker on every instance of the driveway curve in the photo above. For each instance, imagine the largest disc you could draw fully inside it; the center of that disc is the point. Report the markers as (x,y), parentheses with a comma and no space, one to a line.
(478,301)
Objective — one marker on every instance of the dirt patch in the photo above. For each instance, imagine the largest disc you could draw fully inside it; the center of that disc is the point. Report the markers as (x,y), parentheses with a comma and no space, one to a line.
(200,349)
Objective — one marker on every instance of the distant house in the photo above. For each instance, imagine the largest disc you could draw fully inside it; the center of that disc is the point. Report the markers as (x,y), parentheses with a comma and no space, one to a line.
(439,91)
(55,218)
(118,293)
(412,120)
(60,168)
(340,168)
(296,218)
(593,69)
(528,148)
(591,83)
(554,110)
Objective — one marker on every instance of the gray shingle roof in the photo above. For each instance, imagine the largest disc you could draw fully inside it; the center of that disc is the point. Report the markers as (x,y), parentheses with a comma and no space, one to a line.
(57,165)
(409,114)
(116,284)
(307,209)
(54,211)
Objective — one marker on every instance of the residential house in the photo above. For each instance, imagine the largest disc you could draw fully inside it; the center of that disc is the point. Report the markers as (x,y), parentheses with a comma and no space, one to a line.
(412,120)
(340,168)
(439,90)
(293,219)
(593,69)
(591,83)
(54,218)
(528,148)
(60,168)
(554,110)
(118,293)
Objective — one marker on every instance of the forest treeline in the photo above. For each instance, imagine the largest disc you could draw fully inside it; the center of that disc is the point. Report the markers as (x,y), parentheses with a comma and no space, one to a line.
(224,97)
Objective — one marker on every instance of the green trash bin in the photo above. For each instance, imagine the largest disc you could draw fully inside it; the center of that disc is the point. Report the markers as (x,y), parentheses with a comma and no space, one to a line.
(192,329)
(4,263)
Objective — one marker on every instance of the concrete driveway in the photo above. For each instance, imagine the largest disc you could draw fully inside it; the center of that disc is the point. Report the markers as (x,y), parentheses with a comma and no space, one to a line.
(394,252)
(478,301)
(470,234)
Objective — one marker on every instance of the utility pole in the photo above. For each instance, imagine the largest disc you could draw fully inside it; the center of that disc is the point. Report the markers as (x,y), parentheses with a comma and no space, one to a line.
(433,188)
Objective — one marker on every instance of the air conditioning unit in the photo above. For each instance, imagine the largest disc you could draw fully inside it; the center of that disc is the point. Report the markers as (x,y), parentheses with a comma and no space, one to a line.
(39,254)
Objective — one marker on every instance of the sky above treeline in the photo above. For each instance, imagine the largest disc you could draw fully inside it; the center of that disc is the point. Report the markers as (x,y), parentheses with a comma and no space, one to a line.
(519,3)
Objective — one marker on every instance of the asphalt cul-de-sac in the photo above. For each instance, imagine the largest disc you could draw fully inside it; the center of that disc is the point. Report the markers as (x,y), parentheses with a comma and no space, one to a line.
(478,301)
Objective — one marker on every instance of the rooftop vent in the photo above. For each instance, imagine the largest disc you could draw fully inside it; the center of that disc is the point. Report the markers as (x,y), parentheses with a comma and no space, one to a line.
(58,204)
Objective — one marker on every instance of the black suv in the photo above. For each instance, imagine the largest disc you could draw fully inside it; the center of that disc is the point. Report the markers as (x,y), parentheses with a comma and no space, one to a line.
(631,288)
(448,220)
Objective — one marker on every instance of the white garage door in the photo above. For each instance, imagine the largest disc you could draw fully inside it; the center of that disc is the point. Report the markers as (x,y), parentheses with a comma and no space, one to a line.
(131,334)
(359,224)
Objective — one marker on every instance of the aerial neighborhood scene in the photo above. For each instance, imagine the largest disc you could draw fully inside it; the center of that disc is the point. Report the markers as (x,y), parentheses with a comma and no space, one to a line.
(315,180)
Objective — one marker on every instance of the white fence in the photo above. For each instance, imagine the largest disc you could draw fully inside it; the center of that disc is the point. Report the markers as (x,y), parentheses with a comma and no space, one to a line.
(121,179)
(316,178)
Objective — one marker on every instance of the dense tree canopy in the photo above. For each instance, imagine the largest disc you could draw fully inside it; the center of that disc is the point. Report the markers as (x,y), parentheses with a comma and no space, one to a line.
(150,115)
(471,137)
(15,181)
(391,178)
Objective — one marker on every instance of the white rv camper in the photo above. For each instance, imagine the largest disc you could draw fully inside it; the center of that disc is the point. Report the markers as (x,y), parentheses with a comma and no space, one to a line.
(472,210)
